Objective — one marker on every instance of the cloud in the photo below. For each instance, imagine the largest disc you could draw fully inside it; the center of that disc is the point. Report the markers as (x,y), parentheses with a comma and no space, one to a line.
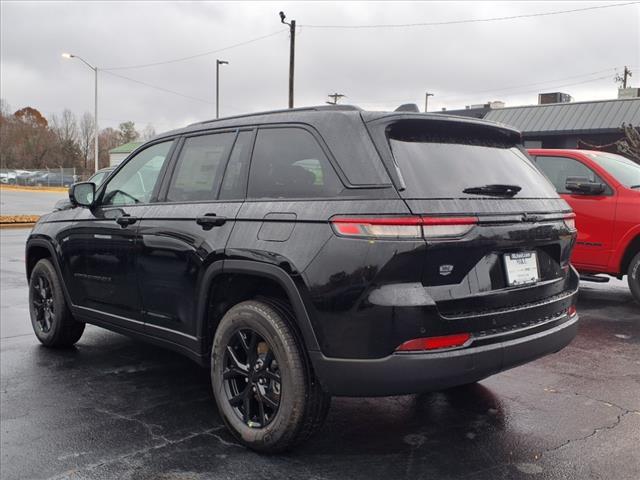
(377,68)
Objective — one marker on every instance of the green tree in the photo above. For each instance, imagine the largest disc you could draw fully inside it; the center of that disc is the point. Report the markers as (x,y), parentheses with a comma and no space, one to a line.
(127,132)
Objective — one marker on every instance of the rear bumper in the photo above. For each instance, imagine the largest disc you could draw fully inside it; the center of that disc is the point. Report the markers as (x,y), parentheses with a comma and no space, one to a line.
(404,373)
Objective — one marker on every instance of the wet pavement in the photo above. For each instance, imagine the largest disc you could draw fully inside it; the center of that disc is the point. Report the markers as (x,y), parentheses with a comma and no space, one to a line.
(118,408)
(28,202)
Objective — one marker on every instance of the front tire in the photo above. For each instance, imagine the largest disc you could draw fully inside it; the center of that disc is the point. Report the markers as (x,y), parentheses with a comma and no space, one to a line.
(264,387)
(51,319)
(633,277)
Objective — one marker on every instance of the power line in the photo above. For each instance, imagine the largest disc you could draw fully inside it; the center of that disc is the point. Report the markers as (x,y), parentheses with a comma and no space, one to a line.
(502,89)
(472,20)
(162,89)
(550,87)
(198,55)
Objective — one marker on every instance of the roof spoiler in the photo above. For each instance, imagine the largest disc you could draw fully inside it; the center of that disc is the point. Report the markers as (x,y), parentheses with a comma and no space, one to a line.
(408,107)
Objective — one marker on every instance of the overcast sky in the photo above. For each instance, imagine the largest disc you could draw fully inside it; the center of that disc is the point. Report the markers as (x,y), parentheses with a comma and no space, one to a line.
(377,68)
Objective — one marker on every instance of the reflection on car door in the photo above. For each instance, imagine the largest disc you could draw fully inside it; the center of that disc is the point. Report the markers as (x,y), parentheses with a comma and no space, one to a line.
(191,223)
(99,246)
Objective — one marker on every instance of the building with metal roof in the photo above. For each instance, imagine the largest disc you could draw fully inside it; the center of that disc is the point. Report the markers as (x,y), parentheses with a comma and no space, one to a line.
(116,155)
(565,125)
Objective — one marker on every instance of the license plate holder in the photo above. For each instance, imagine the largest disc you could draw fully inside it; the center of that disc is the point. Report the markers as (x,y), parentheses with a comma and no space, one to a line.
(521,268)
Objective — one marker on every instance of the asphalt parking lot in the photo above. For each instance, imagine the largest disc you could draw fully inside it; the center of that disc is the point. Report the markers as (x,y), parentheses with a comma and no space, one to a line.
(117,408)
(25,202)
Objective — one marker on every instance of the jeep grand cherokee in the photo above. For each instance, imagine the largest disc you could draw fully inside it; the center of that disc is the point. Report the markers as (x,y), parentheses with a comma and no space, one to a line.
(308,253)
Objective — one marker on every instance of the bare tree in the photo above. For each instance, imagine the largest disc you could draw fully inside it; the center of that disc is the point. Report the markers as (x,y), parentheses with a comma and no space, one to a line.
(630,144)
(108,138)
(85,138)
(5,108)
(148,133)
(65,127)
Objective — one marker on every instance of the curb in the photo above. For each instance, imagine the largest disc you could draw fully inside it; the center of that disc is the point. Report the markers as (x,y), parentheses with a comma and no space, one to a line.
(34,189)
(17,225)
(18,221)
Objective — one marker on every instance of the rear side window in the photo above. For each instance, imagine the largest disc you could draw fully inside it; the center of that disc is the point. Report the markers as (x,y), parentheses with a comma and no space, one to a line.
(235,176)
(200,167)
(444,165)
(558,169)
(289,163)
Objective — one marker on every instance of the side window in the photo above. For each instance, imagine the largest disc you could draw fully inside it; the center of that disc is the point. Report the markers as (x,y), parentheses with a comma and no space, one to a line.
(98,178)
(289,163)
(558,169)
(199,168)
(235,176)
(136,180)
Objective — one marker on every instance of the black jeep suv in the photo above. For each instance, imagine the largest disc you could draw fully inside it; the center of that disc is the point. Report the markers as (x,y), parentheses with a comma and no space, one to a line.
(313,252)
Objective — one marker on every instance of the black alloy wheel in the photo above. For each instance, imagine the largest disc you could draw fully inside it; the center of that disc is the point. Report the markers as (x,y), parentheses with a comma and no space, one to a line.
(43,303)
(251,378)
(51,318)
(264,387)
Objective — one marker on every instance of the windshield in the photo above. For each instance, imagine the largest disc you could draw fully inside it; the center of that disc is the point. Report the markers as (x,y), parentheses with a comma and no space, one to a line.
(624,170)
(446,170)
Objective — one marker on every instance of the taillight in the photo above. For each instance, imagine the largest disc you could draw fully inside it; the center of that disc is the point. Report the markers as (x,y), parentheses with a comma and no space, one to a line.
(390,227)
(403,227)
(434,343)
(570,221)
(443,227)
(572,311)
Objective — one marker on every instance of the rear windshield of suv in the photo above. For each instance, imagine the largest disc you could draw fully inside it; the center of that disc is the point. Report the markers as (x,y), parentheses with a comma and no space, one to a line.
(443,165)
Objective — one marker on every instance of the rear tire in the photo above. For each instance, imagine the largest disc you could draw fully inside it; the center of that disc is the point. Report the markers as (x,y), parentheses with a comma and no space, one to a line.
(263,385)
(51,319)
(633,277)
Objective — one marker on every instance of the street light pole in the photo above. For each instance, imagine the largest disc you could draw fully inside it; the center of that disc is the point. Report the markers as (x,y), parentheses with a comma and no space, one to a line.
(95,121)
(426,100)
(292,53)
(95,106)
(218,63)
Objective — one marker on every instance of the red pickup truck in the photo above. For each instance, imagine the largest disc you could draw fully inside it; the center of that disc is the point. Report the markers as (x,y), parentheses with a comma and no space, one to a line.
(604,191)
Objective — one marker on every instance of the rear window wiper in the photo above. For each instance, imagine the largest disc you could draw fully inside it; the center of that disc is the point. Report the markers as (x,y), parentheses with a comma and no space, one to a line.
(498,190)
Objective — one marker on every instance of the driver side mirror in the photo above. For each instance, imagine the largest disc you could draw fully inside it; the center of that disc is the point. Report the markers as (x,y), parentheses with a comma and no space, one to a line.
(584,186)
(82,194)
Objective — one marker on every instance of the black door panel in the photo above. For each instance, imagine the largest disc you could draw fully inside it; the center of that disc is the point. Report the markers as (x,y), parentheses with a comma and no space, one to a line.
(98,262)
(174,247)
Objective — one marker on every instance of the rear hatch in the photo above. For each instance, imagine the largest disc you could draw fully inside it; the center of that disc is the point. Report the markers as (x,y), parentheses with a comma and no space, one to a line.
(498,235)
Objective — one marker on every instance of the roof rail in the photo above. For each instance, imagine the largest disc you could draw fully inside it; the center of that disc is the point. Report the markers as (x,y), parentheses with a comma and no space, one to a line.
(343,108)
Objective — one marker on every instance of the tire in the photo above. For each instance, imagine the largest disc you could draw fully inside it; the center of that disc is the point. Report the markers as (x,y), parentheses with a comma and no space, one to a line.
(51,319)
(265,348)
(633,277)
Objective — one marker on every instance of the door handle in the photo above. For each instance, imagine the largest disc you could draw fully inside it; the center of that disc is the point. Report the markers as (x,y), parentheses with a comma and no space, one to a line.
(210,220)
(125,220)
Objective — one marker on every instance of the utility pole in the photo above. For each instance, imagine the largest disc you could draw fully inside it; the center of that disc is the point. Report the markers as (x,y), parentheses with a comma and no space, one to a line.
(336,97)
(623,78)
(426,100)
(292,53)
(627,73)
(218,63)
